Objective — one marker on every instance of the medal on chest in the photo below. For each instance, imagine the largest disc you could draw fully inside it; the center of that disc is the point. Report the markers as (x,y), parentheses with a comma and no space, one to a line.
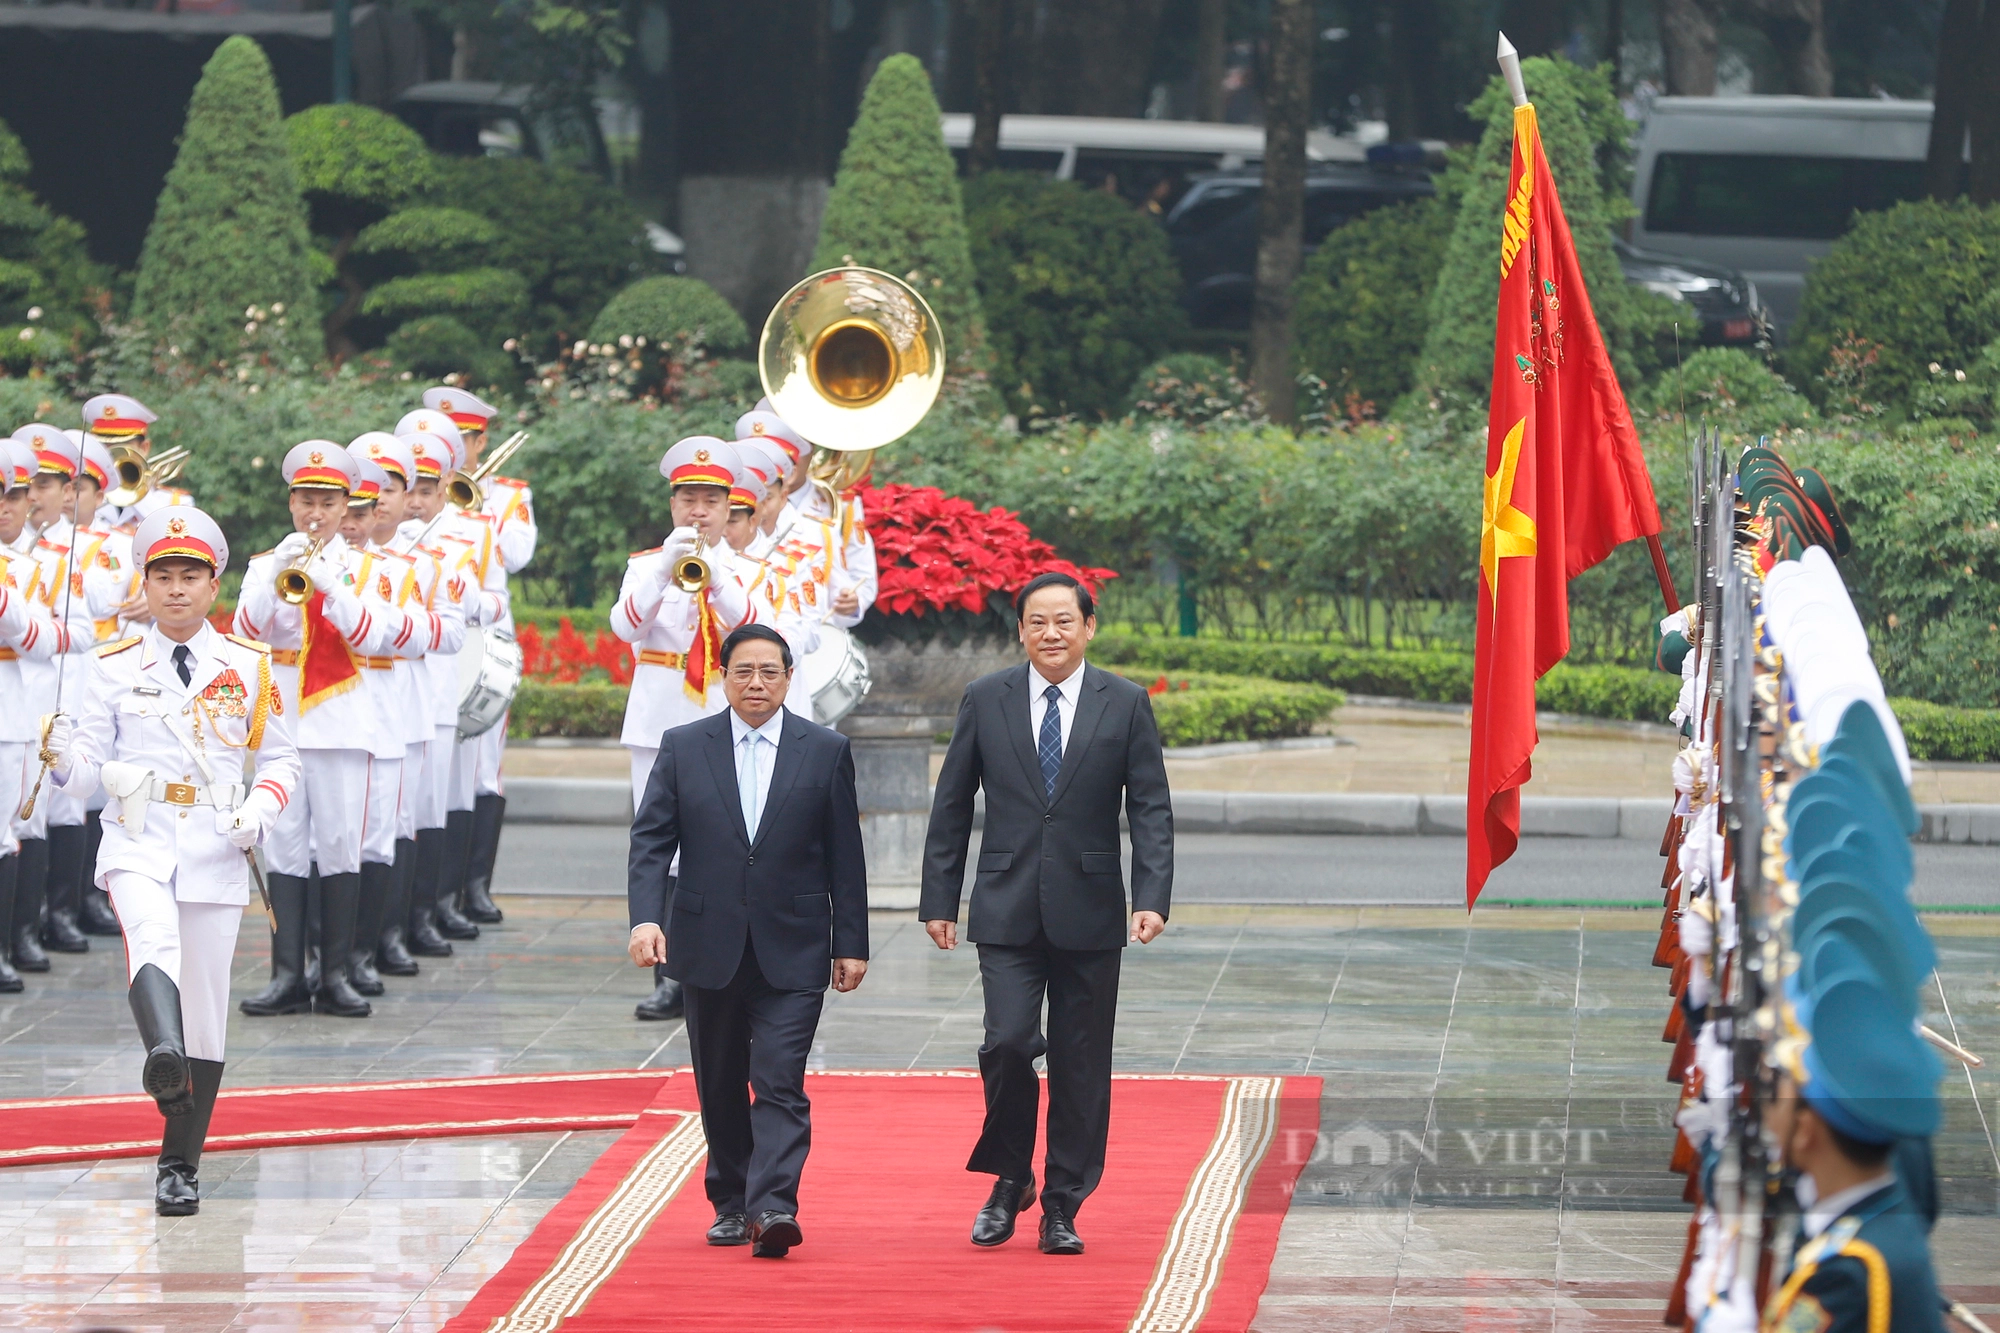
(227,696)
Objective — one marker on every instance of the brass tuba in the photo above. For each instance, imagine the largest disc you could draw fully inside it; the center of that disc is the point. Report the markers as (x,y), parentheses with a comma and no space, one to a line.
(138,474)
(852,359)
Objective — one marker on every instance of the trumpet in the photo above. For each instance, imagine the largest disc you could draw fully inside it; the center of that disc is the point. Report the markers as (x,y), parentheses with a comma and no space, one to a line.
(293,583)
(464,488)
(138,474)
(692,573)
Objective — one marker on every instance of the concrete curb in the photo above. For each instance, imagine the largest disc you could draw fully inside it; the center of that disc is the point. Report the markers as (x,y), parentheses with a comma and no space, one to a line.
(608,801)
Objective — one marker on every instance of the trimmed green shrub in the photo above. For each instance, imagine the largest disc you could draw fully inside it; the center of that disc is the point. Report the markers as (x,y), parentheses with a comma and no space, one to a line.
(1731,389)
(685,316)
(1078,288)
(229,231)
(1193,389)
(354,160)
(1629,694)
(1939,733)
(427,238)
(1588,142)
(1902,289)
(1362,300)
(438,345)
(572,238)
(590,709)
(482,297)
(1226,708)
(895,206)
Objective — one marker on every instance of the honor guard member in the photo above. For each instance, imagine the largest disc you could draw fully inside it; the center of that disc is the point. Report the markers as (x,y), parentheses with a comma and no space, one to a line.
(507,506)
(676,633)
(846,568)
(119,419)
(164,721)
(441,624)
(116,602)
(301,599)
(52,835)
(435,529)
(28,630)
(773,598)
(472,825)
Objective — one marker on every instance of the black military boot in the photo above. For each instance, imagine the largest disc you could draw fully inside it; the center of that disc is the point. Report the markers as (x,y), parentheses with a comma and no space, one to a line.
(424,939)
(10,867)
(340,898)
(287,993)
(156,1006)
(376,890)
(31,884)
(177,1190)
(96,917)
(665,1001)
(453,924)
(315,885)
(488,813)
(67,844)
(392,955)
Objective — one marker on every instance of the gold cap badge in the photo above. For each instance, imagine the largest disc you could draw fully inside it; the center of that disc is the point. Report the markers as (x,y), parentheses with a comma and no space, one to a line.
(110,410)
(701,455)
(176,527)
(316,458)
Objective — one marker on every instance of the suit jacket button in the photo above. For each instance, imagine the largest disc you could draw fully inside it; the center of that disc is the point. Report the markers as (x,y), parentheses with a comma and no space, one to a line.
(1048,819)
(753,860)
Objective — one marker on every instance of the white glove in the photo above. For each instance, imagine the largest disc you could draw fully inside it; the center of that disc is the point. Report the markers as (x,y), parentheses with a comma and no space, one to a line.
(246,825)
(291,548)
(680,542)
(326,575)
(62,738)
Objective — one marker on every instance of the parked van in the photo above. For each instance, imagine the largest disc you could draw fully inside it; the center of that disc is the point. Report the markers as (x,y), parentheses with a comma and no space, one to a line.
(1146,161)
(1766,184)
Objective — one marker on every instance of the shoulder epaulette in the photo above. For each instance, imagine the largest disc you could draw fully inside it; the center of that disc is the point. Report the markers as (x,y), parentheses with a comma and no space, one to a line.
(44,544)
(508,481)
(650,550)
(251,644)
(261,554)
(107,649)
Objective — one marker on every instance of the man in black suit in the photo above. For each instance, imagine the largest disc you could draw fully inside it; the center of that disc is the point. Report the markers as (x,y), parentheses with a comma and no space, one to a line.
(1056,744)
(772,898)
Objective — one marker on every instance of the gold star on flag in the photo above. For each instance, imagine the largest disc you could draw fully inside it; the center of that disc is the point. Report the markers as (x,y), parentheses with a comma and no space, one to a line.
(1504,530)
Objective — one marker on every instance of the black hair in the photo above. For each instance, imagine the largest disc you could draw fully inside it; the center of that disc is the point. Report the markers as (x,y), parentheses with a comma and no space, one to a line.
(745,633)
(1858,1151)
(1084,601)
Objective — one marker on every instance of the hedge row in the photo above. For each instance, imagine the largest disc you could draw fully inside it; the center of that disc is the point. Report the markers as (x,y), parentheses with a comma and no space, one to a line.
(566,710)
(1203,708)
(1941,732)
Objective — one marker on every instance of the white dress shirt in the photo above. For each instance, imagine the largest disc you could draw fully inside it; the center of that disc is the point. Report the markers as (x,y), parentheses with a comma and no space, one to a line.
(766,744)
(1823,1213)
(1038,704)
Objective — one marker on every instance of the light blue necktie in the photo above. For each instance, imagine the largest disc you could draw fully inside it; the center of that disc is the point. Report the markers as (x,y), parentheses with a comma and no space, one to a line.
(1050,746)
(747,781)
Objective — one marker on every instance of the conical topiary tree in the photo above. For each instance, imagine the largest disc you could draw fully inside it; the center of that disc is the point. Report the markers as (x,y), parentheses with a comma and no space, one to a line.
(1587,139)
(895,205)
(230,231)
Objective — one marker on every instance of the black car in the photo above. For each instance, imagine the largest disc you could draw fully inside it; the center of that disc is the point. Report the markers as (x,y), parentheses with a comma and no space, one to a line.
(1213,229)
(1213,232)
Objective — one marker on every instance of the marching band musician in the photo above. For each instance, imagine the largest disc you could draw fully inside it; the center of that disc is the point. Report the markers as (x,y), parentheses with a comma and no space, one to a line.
(847,568)
(774,600)
(463,901)
(507,506)
(111,589)
(163,722)
(27,630)
(116,418)
(435,918)
(676,635)
(315,643)
(52,836)
(420,589)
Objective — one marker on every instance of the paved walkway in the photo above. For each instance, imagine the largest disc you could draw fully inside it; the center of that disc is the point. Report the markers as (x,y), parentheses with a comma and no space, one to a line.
(1491,1155)
(1408,750)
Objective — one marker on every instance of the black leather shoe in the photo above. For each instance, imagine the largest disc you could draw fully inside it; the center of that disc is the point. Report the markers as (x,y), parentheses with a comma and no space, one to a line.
(177,1193)
(60,933)
(773,1234)
(1058,1235)
(665,1002)
(995,1223)
(729,1229)
(97,918)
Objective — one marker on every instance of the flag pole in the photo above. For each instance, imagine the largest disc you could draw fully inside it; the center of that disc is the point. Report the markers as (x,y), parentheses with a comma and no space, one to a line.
(1510,69)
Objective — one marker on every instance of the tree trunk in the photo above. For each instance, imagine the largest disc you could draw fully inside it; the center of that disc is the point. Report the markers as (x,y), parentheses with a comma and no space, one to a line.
(1688,46)
(1211,44)
(989,84)
(1535,27)
(1281,211)
(1414,108)
(1983,110)
(1614,41)
(1797,32)
(339,347)
(1957,74)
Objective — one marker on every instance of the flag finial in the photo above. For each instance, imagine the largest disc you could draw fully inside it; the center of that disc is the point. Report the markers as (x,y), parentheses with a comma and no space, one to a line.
(1510,66)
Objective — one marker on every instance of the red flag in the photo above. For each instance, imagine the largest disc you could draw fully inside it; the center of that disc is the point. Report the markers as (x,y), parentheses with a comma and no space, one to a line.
(326,663)
(1565,483)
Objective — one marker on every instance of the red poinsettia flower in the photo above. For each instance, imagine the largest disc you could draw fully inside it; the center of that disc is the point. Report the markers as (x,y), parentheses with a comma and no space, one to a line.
(938,552)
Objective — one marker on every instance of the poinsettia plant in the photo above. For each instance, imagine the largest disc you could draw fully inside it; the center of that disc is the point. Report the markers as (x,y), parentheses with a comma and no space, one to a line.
(567,657)
(938,553)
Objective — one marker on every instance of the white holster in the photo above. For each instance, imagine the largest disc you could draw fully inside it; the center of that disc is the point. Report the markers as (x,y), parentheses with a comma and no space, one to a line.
(131,786)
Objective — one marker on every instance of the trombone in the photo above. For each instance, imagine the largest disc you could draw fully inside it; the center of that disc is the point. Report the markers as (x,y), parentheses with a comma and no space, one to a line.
(465,490)
(138,474)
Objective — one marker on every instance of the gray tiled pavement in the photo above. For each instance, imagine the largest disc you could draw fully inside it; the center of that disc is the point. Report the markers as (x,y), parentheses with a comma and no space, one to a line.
(1491,1153)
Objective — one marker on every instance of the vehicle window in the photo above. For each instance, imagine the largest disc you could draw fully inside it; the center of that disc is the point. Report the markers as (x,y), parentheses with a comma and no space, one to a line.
(500,136)
(565,139)
(1214,208)
(1044,161)
(1752,194)
(1155,181)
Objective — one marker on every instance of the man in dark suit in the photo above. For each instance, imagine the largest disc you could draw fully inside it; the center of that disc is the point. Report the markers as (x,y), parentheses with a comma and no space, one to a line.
(772,899)
(1058,745)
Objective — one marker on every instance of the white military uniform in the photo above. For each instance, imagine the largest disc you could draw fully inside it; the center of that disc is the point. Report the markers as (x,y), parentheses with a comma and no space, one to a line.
(31,636)
(178,884)
(116,418)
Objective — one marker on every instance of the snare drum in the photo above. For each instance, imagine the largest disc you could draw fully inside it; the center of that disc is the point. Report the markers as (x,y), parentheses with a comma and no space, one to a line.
(489,673)
(834,675)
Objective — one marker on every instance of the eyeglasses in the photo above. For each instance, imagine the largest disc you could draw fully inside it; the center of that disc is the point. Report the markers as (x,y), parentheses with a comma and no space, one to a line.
(770,675)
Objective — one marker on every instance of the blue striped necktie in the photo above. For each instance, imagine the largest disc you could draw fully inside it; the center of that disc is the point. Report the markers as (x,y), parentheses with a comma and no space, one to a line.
(1050,747)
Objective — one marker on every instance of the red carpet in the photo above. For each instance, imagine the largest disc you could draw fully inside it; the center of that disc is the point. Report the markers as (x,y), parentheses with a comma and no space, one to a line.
(73,1129)
(1180,1234)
